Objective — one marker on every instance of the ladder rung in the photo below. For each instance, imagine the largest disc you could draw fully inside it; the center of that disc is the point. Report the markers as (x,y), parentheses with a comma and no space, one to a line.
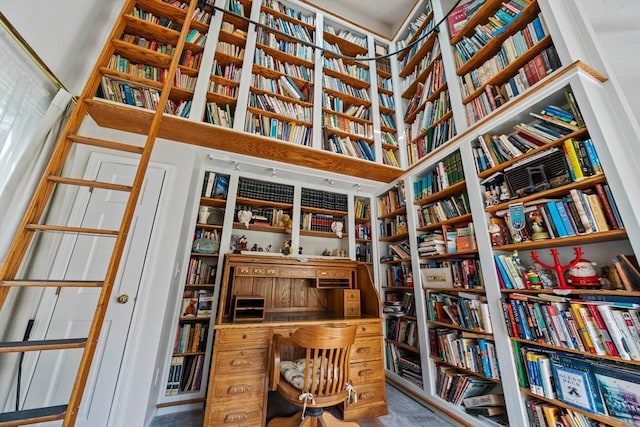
(39,345)
(106,144)
(89,183)
(65,229)
(52,283)
(32,416)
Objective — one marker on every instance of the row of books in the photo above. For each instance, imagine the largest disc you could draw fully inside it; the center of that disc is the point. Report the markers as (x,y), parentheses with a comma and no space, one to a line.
(389,156)
(435,137)
(548,415)
(494,96)
(219,115)
(300,72)
(263,190)
(429,114)
(444,209)
(405,363)
(201,271)
(454,386)
(278,106)
(185,374)
(358,148)
(452,273)
(397,275)
(292,29)
(347,35)
(461,309)
(362,209)
(268,39)
(402,330)
(352,70)
(323,199)
(597,328)
(289,11)
(434,81)
(215,185)
(390,227)
(465,350)
(446,173)
(393,200)
(596,386)
(425,62)
(196,304)
(319,222)
(191,338)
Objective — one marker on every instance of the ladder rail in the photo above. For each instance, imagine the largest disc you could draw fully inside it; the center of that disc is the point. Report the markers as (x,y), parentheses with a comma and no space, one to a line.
(112,270)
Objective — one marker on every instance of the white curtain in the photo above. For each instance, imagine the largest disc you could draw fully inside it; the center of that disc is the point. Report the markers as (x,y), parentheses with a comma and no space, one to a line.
(32,112)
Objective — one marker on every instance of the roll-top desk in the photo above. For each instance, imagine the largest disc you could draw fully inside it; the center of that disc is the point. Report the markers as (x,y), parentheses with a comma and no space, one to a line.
(264,295)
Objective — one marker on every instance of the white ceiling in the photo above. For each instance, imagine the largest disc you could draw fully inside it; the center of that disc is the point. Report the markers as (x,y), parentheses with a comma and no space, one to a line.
(379,16)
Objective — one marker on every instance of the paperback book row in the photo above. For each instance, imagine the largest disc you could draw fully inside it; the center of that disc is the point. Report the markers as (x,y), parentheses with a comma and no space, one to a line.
(403,330)
(191,338)
(201,271)
(435,136)
(394,200)
(396,226)
(319,222)
(444,209)
(185,374)
(599,328)
(462,309)
(273,127)
(398,275)
(405,363)
(358,148)
(595,386)
(466,350)
(196,304)
(452,273)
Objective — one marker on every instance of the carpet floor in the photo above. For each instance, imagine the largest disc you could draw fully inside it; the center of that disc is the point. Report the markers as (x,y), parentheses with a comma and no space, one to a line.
(403,412)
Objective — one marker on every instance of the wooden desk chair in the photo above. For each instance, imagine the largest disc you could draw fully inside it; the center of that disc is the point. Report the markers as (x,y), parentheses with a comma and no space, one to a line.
(313,387)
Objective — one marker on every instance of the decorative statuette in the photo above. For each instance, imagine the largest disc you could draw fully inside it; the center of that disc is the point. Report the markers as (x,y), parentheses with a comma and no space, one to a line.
(517,220)
(244,216)
(336,227)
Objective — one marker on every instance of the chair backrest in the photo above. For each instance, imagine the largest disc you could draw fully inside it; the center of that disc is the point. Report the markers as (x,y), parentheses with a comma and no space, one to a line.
(326,356)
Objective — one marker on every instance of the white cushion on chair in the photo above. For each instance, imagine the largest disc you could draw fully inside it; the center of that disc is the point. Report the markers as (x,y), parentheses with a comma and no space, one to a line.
(293,371)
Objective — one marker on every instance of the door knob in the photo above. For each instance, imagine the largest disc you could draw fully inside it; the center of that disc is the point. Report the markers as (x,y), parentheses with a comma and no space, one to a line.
(123,299)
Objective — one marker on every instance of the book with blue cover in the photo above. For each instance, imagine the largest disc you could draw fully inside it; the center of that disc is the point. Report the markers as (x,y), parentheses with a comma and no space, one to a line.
(576,383)
(620,389)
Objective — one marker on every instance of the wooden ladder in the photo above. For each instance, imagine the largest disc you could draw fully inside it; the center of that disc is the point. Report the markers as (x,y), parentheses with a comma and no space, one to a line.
(32,223)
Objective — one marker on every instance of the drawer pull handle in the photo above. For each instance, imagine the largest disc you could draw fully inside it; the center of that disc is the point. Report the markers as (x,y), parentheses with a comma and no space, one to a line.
(241,362)
(234,418)
(323,273)
(367,396)
(363,350)
(237,389)
(366,372)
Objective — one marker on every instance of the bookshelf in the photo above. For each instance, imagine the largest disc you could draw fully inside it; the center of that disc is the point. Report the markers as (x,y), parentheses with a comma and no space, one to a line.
(280,103)
(191,346)
(461,346)
(262,216)
(386,106)
(362,229)
(428,119)
(226,68)
(324,220)
(347,125)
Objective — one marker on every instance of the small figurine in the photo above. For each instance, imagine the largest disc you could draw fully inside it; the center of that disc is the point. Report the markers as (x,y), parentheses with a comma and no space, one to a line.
(336,227)
(242,241)
(268,249)
(286,248)
(254,248)
(504,193)
(537,226)
(300,250)
(326,252)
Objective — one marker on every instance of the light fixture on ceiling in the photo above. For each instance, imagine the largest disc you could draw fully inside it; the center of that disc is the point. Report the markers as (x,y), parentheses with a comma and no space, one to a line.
(273,172)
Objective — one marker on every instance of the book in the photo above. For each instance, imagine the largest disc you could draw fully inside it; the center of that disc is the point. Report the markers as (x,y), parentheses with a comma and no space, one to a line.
(631,269)
(576,383)
(620,388)
(487,410)
(491,399)
(205,304)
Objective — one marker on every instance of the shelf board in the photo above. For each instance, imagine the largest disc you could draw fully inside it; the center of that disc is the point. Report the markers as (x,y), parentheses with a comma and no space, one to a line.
(415,35)
(325,234)
(452,190)
(454,289)
(348,98)
(609,421)
(398,288)
(348,48)
(260,227)
(138,120)
(481,15)
(418,55)
(450,221)
(277,13)
(400,211)
(180,402)
(286,119)
(285,57)
(597,237)
(460,328)
(420,78)
(200,286)
(353,81)
(458,254)
(394,238)
(208,201)
(403,345)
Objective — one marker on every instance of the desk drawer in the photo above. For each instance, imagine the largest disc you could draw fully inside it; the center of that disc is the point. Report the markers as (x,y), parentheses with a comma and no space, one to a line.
(241,362)
(366,349)
(242,338)
(238,387)
(366,372)
(369,329)
(368,394)
(304,273)
(246,413)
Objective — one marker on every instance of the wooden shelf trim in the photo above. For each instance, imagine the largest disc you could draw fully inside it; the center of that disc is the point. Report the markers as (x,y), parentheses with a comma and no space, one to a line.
(465,370)
(138,120)
(571,350)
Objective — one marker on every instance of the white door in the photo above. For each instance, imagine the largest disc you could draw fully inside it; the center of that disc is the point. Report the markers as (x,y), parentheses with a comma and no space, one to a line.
(74,308)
